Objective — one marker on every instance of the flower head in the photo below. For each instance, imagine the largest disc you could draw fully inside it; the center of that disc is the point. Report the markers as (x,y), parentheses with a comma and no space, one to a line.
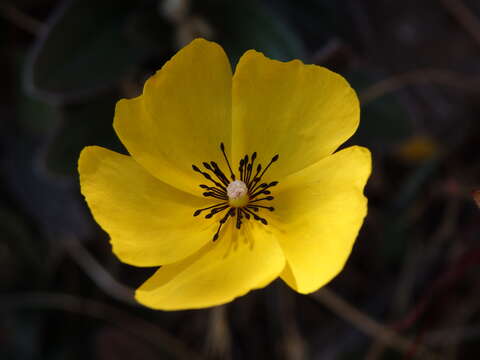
(231,182)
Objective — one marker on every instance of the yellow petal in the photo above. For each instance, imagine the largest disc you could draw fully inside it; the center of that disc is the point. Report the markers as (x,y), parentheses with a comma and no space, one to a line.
(220,272)
(302,112)
(182,116)
(319,212)
(149,222)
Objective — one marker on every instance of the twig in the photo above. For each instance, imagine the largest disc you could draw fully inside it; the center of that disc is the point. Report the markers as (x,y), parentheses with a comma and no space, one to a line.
(420,76)
(294,347)
(367,325)
(65,302)
(401,295)
(20,19)
(465,17)
(97,273)
(219,342)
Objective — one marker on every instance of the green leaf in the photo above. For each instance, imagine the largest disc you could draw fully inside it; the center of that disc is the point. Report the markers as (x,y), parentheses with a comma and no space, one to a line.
(85,48)
(243,25)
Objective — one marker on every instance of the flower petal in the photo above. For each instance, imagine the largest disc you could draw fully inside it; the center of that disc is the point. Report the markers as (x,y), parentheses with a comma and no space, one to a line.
(319,212)
(302,112)
(149,222)
(217,274)
(182,117)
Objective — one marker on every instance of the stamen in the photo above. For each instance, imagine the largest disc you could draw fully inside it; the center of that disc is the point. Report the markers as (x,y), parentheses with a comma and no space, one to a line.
(197,212)
(259,168)
(219,172)
(239,219)
(247,215)
(212,194)
(271,208)
(222,148)
(245,164)
(240,198)
(208,177)
(250,167)
(240,168)
(264,188)
(263,191)
(214,171)
(258,178)
(216,191)
(256,217)
(231,213)
(265,198)
(215,211)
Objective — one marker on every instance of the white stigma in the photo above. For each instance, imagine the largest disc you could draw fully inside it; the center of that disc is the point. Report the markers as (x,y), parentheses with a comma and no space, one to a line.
(236,190)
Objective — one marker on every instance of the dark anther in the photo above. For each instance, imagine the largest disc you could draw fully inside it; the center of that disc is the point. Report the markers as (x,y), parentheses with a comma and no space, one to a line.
(231,213)
(208,177)
(268,198)
(215,195)
(219,173)
(256,217)
(271,208)
(197,212)
(251,174)
(250,167)
(239,219)
(222,148)
(265,192)
(247,215)
(215,211)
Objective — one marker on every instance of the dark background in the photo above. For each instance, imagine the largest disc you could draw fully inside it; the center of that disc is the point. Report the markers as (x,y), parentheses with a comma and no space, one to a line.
(411,287)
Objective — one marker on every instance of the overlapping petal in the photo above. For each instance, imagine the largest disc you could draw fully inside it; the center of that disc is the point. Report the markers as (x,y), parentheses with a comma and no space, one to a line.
(319,213)
(146,201)
(223,270)
(302,112)
(182,116)
(149,222)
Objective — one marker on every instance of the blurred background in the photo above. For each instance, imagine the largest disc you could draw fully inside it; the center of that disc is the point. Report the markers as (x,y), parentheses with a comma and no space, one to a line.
(411,288)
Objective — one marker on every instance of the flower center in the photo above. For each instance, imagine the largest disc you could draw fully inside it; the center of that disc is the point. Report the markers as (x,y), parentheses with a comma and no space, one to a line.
(237,192)
(240,198)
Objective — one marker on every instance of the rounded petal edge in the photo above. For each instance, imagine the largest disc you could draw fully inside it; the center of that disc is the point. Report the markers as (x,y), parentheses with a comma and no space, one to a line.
(149,222)
(182,116)
(329,198)
(302,112)
(217,274)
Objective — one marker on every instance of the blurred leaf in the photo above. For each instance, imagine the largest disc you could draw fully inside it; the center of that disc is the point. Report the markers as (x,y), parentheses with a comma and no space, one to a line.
(53,205)
(384,121)
(82,125)
(243,25)
(85,48)
(36,117)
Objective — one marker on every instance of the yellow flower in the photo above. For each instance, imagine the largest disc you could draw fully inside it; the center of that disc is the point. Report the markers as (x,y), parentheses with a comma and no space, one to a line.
(231,182)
